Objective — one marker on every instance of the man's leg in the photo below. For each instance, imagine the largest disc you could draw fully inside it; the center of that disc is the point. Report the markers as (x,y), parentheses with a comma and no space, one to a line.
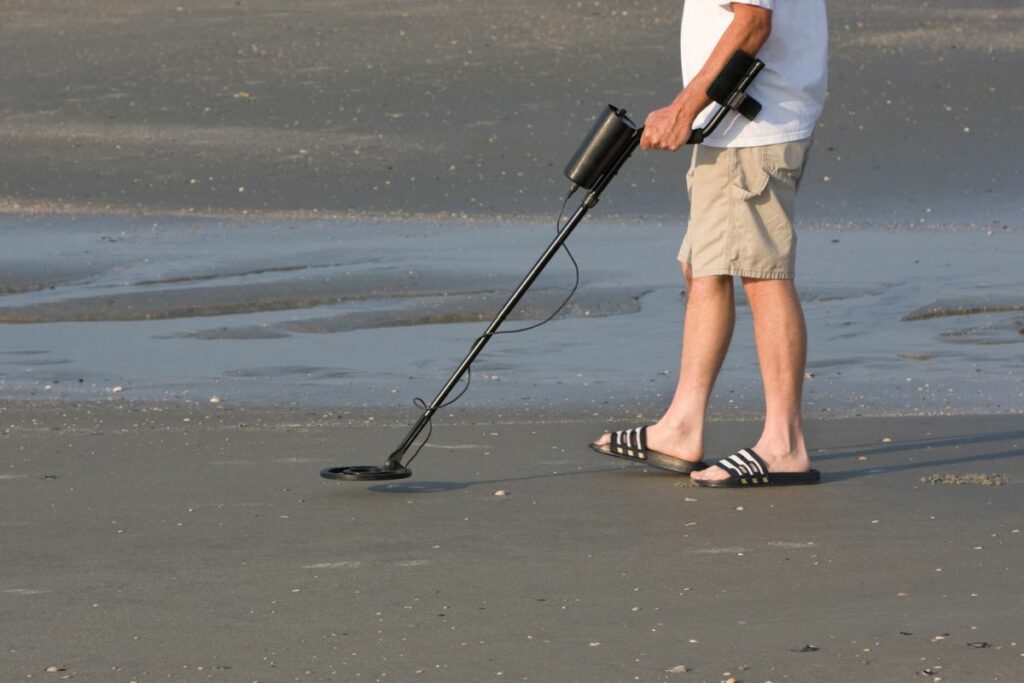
(707,330)
(781,337)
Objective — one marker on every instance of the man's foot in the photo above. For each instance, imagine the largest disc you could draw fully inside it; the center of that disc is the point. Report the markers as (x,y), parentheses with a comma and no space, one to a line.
(675,443)
(778,460)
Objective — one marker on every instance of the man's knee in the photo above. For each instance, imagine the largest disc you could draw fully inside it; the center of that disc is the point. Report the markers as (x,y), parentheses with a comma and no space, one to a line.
(770,292)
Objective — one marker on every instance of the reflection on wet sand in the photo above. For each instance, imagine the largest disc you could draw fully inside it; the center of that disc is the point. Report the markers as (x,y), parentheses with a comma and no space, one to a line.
(234,299)
(951,307)
(344,312)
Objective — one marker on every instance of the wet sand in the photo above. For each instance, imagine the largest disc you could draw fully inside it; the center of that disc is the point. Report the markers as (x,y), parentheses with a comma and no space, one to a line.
(330,313)
(387,107)
(152,543)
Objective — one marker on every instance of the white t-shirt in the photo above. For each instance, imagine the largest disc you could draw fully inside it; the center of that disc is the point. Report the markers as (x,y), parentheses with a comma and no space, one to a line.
(792,85)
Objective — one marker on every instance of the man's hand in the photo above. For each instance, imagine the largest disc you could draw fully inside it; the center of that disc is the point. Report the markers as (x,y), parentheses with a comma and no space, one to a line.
(667,128)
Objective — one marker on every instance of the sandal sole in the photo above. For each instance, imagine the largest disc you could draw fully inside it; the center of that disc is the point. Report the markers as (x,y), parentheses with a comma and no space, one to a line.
(655,459)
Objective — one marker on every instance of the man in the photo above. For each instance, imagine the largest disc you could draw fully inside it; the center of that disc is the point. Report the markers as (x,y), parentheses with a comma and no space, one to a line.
(742,184)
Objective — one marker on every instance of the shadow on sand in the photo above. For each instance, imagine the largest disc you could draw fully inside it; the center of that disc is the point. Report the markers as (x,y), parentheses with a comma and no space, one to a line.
(444,486)
(923,444)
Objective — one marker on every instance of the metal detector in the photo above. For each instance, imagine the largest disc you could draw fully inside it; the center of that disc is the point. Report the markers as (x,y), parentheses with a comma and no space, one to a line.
(604,150)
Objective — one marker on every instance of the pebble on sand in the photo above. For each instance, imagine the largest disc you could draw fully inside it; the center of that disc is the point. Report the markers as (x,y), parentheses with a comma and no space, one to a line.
(214,399)
(117,390)
(678,669)
(501,492)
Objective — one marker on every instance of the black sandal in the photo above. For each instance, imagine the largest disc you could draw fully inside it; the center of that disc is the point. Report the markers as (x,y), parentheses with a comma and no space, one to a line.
(631,444)
(746,468)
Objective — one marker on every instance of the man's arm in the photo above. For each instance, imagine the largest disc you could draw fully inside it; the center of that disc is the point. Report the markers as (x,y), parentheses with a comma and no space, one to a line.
(669,128)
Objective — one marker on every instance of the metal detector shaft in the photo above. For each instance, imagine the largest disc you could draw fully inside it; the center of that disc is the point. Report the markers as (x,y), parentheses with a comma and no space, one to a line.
(589,201)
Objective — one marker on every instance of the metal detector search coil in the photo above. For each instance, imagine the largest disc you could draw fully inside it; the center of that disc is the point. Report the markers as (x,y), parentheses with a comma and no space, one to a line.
(365,473)
(610,142)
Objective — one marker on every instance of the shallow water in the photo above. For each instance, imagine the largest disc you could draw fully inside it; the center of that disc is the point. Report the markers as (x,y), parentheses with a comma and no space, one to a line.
(335,314)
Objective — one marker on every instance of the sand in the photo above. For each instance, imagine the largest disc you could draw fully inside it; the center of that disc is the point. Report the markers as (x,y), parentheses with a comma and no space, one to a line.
(147,543)
(468,108)
(329,313)
(379,173)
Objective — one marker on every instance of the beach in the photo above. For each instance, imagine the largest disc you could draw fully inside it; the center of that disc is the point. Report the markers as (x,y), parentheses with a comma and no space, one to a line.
(241,238)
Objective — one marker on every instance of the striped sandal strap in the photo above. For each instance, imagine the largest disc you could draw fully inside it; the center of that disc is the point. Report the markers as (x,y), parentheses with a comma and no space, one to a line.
(631,443)
(746,466)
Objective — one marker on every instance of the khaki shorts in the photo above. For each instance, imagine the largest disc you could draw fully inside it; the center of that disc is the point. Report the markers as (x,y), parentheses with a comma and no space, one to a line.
(741,210)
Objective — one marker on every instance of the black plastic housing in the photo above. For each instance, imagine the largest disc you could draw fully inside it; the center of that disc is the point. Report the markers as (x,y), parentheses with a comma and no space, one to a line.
(603,145)
(728,88)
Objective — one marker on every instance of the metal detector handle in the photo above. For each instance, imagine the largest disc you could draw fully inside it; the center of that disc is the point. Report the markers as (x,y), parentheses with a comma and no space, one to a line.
(736,101)
(730,96)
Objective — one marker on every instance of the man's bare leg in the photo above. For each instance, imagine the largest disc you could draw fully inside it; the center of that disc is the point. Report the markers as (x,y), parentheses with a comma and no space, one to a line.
(781,337)
(707,330)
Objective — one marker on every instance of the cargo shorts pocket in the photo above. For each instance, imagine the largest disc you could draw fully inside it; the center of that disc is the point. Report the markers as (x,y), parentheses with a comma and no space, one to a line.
(753,168)
(750,172)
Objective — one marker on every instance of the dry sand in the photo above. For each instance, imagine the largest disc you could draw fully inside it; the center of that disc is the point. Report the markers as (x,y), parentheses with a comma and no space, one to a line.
(462,107)
(150,544)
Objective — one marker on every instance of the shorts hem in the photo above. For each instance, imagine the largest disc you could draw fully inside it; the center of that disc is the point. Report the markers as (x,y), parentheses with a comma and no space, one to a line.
(769,274)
